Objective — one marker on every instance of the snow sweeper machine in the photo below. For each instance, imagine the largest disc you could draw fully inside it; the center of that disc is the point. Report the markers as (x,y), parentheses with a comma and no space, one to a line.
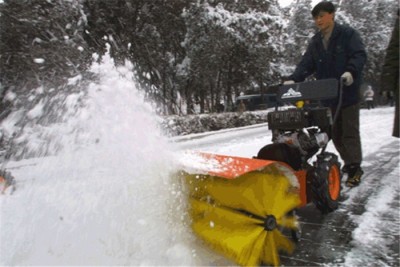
(245,208)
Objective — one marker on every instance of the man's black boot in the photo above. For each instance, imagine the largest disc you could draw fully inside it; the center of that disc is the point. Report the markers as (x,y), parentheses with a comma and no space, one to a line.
(355,172)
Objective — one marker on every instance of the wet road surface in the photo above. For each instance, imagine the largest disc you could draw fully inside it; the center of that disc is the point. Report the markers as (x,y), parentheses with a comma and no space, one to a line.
(327,239)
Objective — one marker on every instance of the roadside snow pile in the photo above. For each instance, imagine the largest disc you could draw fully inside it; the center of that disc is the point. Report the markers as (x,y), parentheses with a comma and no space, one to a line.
(182,125)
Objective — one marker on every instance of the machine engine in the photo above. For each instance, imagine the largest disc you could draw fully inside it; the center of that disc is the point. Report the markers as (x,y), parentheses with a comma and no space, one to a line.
(306,129)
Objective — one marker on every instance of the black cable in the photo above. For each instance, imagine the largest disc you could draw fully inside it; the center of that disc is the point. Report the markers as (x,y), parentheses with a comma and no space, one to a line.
(339,105)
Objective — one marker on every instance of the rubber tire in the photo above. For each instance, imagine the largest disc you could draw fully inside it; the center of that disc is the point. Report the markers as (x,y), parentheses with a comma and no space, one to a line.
(321,196)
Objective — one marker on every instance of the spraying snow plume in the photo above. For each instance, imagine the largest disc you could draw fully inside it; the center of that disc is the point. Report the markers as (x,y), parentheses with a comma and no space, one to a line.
(105,197)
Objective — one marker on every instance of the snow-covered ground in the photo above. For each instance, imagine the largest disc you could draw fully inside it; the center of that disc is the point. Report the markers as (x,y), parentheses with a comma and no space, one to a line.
(110,196)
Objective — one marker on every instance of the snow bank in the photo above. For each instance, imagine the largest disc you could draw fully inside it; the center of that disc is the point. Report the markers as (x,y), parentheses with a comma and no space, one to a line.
(190,124)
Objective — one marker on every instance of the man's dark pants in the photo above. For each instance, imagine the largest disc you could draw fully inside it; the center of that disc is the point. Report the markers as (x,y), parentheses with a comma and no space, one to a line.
(346,135)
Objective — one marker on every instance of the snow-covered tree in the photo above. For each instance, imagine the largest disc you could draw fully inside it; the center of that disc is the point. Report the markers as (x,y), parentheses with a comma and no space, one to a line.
(300,29)
(374,20)
(185,52)
(41,42)
(231,47)
(148,33)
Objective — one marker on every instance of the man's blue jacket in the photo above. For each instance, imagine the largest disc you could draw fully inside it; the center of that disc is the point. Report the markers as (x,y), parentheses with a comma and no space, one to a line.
(345,52)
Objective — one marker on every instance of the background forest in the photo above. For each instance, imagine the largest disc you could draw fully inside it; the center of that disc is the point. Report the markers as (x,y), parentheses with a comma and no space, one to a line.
(184,52)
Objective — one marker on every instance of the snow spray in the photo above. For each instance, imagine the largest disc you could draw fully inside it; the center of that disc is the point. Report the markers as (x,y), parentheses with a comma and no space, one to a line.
(104,198)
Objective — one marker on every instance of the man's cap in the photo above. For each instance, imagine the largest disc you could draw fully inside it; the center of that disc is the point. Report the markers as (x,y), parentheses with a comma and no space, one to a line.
(323,6)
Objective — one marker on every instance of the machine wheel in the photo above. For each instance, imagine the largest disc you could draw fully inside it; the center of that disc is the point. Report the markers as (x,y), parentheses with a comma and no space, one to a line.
(325,183)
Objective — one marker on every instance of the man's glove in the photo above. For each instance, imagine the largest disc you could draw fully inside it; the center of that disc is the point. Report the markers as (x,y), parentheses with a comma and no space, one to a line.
(288,82)
(347,78)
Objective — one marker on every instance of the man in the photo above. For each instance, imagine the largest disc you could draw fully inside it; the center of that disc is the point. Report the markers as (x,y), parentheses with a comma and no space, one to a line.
(337,51)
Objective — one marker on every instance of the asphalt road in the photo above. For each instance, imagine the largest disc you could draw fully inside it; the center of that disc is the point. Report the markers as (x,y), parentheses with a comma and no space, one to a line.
(326,239)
